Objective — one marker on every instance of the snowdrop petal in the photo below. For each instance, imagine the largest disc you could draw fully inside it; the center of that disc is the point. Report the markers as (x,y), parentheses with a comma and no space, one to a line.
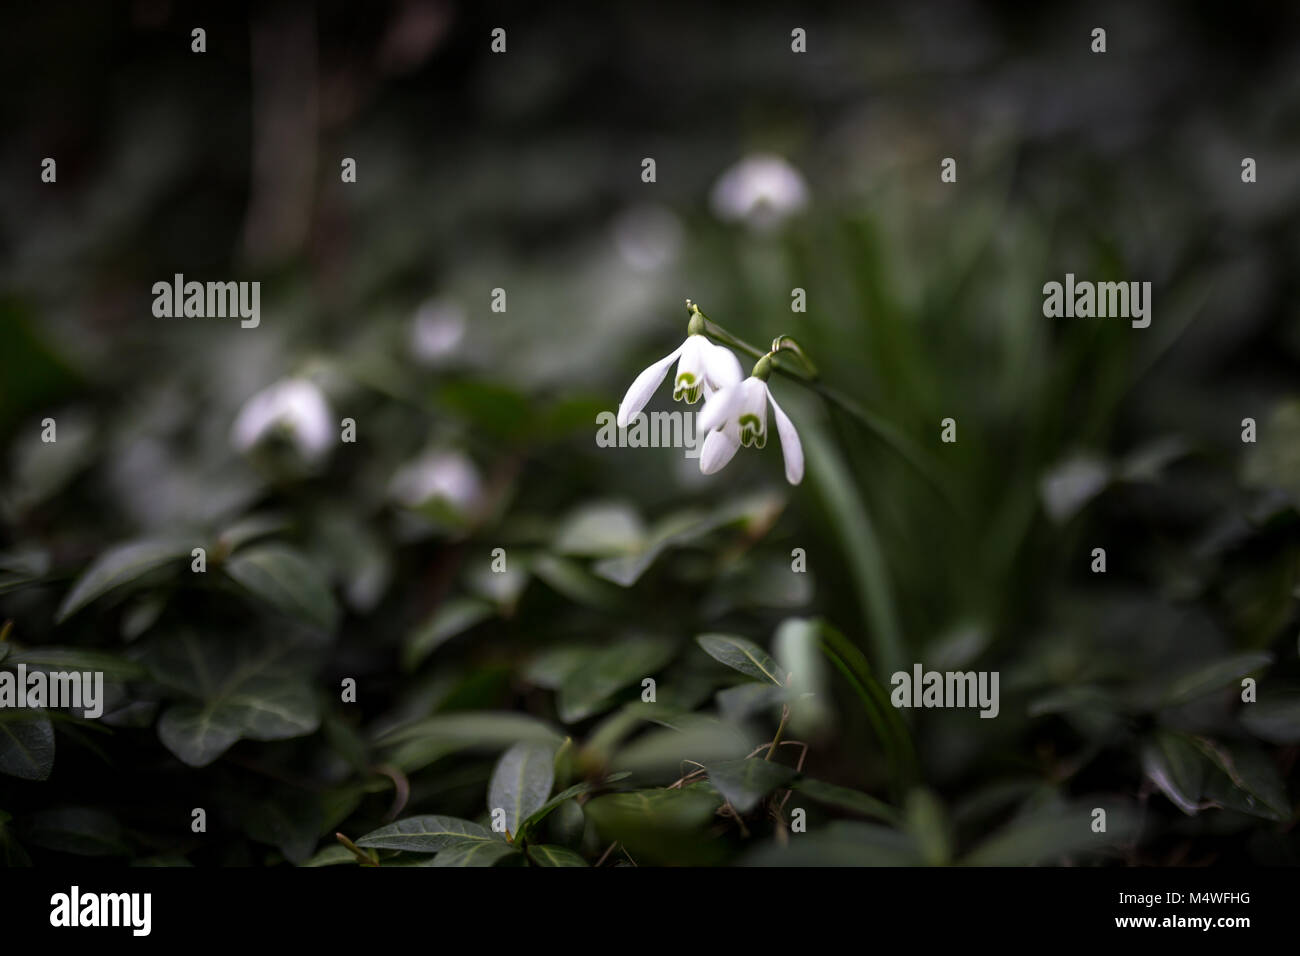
(751,412)
(689,382)
(718,408)
(722,368)
(644,385)
(791,447)
(719,448)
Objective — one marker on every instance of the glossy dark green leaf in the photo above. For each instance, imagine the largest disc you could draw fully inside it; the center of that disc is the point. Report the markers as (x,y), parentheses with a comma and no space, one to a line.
(587,689)
(521,782)
(551,855)
(1051,834)
(1275,717)
(846,799)
(26,743)
(743,655)
(453,617)
(121,565)
(747,781)
(474,853)
(84,831)
(1213,677)
(427,834)
(285,579)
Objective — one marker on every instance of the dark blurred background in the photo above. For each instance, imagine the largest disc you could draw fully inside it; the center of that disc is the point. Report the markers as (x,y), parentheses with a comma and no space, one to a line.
(522,171)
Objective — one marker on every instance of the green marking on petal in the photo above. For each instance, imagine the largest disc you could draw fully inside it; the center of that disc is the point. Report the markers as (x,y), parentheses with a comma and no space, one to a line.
(686,387)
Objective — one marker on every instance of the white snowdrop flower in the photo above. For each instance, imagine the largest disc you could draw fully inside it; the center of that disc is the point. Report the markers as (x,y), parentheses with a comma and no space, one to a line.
(761,190)
(295,408)
(445,475)
(737,415)
(702,369)
(437,330)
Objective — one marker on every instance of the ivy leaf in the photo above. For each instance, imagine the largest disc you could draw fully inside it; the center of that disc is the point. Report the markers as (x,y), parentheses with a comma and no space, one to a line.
(745,782)
(199,733)
(521,782)
(742,655)
(26,743)
(255,694)
(427,834)
(285,579)
(119,566)
(551,855)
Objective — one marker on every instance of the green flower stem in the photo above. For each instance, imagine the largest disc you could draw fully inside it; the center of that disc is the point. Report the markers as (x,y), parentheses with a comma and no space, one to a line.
(806,374)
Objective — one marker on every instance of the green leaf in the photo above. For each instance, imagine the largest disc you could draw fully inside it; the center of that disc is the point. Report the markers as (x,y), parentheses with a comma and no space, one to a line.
(601,529)
(1212,677)
(521,782)
(332,855)
(1049,834)
(587,689)
(451,618)
(1250,782)
(26,743)
(84,831)
(119,566)
(742,655)
(113,666)
(250,528)
(427,834)
(798,652)
(285,579)
(659,826)
(1275,718)
(474,853)
(420,743)
(1173,763)
(242,690)
(841,843)
(199,733)
(846,799)
(755,510)
(569,579)
(747,781)
(551,855)
(840,492)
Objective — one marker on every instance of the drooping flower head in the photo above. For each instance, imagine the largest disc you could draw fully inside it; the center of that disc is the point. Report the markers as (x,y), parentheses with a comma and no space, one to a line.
(702,370)
(737,415)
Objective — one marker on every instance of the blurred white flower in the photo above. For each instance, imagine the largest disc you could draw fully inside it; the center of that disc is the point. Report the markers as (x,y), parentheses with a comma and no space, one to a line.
(702,370)
(761,190)
(448,476)
(294,408)
(437,330)
(737,415)
(648,237)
